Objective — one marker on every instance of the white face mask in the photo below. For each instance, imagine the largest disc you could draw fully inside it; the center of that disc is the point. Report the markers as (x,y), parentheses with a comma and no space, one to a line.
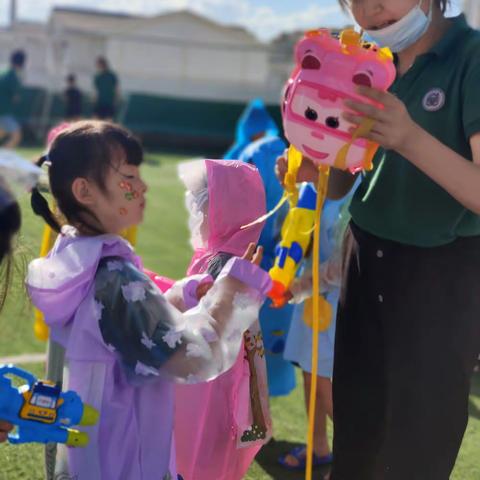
(404,33)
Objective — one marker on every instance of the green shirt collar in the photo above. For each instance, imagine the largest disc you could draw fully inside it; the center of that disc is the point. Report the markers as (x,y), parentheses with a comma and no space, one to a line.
(446,44)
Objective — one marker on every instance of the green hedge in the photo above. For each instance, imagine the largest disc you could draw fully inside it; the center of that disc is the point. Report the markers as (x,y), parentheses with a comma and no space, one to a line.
(160,120)
(168,115)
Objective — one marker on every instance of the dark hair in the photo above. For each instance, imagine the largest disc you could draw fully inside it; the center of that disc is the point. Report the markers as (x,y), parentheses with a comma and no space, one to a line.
(217,262)
(442,4)
(85,149)
(102,62)
(17,58)
(10,222)
(71,78)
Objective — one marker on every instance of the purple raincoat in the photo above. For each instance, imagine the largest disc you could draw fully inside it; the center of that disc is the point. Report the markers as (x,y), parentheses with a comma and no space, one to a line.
(126,345)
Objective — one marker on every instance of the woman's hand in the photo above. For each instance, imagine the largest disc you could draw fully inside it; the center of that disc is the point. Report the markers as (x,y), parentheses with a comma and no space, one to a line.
(308,171)
(5,428)
(253,254)
(393,128)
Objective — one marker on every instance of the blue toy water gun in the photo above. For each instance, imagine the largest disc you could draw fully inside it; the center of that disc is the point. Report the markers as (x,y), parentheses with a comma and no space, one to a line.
(41,412)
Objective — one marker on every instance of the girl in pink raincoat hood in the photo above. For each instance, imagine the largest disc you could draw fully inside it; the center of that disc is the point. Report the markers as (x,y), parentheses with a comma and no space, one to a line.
(221,425)
(126,343)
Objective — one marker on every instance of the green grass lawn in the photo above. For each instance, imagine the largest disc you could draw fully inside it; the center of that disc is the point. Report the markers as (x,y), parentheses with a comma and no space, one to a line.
(163,245)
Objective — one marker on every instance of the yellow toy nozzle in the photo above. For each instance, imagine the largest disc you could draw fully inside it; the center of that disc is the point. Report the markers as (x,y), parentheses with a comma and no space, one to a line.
(350,37)
(130,235)
(317,32)
(295,158)
(277,294)
(90,416)
(386,53)
(40,328)
(76,438)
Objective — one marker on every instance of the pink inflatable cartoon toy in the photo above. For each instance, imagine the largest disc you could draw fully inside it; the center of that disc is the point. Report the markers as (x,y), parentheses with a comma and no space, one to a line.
(328,71)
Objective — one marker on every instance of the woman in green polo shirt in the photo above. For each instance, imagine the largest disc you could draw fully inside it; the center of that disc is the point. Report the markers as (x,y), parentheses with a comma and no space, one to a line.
(408,330)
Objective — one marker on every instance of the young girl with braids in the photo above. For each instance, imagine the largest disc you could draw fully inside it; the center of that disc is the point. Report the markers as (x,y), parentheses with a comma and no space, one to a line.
(126,344)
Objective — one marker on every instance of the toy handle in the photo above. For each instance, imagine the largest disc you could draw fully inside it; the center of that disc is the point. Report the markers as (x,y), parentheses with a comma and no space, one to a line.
(18,372)
(35,434)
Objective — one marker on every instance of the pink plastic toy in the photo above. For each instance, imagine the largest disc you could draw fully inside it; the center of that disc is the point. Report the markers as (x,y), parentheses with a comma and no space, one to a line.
(163,283)
(55,131)
(328,71)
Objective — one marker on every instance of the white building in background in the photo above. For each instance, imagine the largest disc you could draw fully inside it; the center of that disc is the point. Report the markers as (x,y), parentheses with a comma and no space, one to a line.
(472,10)
(178,54)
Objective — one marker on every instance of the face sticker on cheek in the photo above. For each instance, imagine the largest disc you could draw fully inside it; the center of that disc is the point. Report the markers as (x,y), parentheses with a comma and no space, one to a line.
(130,193)
(123,211)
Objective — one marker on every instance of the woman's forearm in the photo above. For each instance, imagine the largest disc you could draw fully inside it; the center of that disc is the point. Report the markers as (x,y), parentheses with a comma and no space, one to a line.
(457,175)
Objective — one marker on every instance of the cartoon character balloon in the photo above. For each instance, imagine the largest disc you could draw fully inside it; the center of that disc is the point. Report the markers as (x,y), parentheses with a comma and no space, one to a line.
(327,72)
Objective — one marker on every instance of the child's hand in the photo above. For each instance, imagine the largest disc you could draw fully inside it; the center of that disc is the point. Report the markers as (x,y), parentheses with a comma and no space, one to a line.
(393,128)
(5,428)
(254,254)
(308,171)
(203,289)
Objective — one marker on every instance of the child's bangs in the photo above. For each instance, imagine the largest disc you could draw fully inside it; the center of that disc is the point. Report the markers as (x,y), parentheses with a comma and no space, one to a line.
(124,146)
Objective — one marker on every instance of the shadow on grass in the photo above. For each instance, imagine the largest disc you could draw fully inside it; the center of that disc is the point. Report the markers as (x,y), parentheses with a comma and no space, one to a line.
(268,460)
(474,410)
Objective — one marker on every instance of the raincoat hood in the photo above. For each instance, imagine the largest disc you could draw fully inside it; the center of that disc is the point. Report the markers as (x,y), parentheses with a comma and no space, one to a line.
(236,197)
(59,282)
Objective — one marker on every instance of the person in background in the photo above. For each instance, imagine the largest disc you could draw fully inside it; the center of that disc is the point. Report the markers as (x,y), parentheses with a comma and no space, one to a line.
(258,143)
(106,91)
(73,99)
(10,223)
(10,89)
(299,342)
(275,323)
(254,124)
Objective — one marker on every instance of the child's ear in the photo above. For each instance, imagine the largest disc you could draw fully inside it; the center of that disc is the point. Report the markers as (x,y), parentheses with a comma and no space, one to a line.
(83,192)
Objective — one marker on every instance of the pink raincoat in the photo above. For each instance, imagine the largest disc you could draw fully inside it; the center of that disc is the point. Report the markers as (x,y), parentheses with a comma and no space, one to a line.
(221,425)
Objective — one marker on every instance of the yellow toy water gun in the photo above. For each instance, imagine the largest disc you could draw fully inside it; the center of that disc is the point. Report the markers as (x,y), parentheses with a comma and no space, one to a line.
(296,237)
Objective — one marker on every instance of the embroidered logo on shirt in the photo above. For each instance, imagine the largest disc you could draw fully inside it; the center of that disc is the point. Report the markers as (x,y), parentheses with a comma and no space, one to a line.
(434,100)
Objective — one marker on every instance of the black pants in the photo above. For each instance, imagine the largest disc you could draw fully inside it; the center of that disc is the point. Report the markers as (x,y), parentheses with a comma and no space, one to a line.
(408,331)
